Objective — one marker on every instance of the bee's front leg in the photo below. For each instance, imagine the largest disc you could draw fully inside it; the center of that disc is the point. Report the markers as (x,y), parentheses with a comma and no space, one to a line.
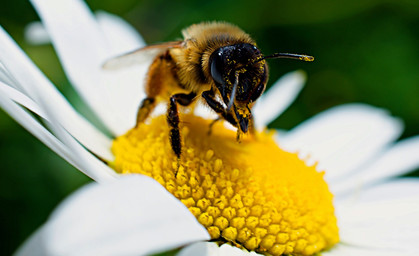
(147,105)
(156,80)
(218,108)
(173,119)
(212,124)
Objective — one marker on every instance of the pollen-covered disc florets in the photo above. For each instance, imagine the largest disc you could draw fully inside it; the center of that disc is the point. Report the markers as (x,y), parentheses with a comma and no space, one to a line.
(252,194)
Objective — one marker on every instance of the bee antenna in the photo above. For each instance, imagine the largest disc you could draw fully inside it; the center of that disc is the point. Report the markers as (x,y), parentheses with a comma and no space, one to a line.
(233,91)
(302,57)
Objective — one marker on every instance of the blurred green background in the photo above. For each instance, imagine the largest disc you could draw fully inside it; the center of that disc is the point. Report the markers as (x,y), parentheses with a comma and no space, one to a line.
(366,51)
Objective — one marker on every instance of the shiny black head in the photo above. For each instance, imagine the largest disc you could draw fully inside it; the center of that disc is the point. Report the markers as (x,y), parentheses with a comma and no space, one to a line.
(239,77)
(238,64)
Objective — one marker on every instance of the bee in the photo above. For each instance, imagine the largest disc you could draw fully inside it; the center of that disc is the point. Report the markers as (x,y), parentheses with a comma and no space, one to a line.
(217,62)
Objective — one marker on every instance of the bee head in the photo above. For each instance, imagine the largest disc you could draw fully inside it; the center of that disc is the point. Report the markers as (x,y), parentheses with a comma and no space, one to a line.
(237,74)
(239,77)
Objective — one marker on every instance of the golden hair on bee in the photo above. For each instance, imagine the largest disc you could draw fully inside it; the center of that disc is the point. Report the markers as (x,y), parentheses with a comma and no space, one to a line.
(216,61)
(201,41)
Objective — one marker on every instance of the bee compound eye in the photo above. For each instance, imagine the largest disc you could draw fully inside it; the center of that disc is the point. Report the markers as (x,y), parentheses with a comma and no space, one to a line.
(257,92)
(217,66)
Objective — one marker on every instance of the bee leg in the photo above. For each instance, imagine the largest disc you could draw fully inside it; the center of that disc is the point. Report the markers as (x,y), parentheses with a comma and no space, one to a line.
(252,129)
(173,119)
(212,124)
(147,105)
(218,108)
(239,136)
(155,82)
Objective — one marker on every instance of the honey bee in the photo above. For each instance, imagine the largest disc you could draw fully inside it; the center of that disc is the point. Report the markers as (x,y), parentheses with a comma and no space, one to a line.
(216,61)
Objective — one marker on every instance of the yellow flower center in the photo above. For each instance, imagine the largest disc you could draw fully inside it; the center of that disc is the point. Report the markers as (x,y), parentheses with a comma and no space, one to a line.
(252,194)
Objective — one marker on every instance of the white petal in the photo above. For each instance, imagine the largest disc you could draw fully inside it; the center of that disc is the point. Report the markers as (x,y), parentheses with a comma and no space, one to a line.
(36,34)
(36,129)
(396,189)
(34,245)
(121,36)
(35,85)
(131,216)
(5,75)
(212,249)
(201,249)
(72,151)
(82,47)
(77,39)
(228,250)
(126,89)
(76,155)
(343,138)
(348,250)
(21,99)
(277,99)
(397,160)
(125,86)
(390,223)
(205,111)
(89,163)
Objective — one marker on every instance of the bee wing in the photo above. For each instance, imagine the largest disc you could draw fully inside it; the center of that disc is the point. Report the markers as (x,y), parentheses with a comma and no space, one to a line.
(140,56)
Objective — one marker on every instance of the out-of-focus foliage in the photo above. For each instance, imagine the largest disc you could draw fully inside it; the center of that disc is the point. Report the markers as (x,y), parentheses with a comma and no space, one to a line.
(366,51)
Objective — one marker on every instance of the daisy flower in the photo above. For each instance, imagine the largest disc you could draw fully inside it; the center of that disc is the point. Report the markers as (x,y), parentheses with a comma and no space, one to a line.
(327,188)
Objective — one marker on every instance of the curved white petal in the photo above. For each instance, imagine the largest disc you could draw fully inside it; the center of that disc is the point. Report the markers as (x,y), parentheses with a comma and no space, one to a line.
(388,222)
(79,43)
(349,250)
(34,245)
(212,249)
(126,85)
(89,163)
(83,47)
(343,138)
(277,99)
(5,75)
(23,74)
(126,89)
(36,34)
(200,248)
(76,156)
(134,215)
(227,250)
(396,189)
(21,99)
(401,158)
(70,150)
(35,128)
(66,147)
(203,110)
(121,36)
